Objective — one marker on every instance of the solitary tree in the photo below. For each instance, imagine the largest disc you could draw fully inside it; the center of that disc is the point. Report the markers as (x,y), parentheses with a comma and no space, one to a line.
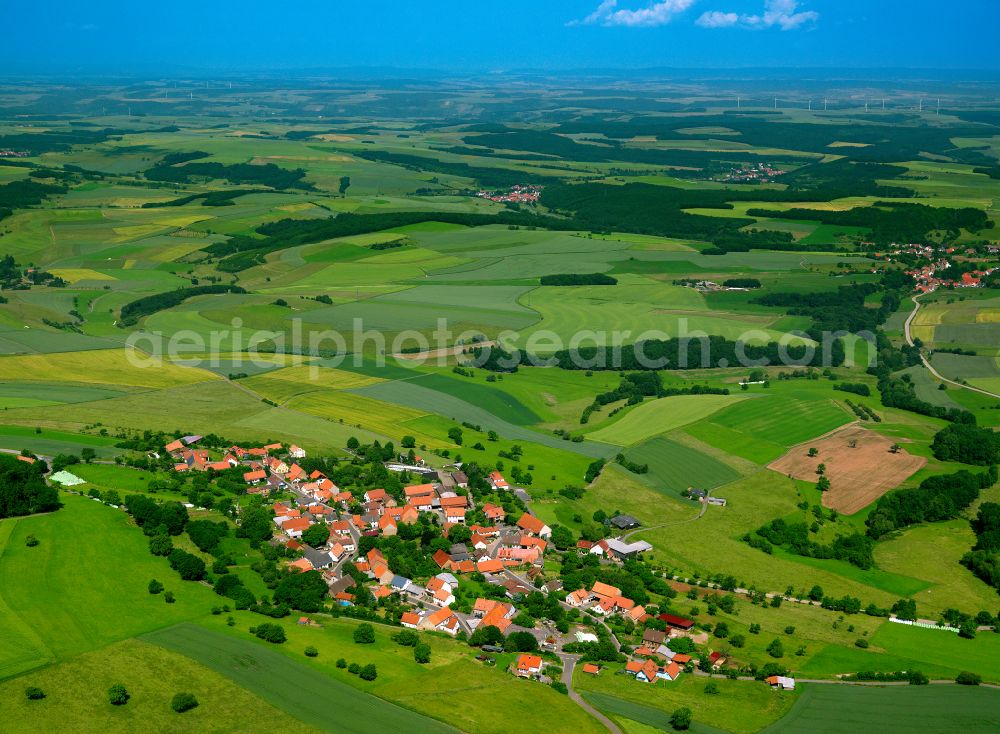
(422,653)
(364,634)
(813,451)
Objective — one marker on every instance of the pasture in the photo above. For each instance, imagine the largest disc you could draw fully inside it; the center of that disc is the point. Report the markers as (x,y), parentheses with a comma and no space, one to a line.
(52,615)
(76,696)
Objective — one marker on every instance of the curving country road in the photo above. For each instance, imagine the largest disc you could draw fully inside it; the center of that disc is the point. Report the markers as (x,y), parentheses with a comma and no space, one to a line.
(569,664)
(927,364)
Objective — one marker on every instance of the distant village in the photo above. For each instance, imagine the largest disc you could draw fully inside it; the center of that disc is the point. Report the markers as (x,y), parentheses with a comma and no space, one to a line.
(752,173)
(518,194)
(934,260)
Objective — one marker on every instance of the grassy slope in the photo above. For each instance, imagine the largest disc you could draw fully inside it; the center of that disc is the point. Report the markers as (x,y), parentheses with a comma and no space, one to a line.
(83,586)
(76,697)
(317,699)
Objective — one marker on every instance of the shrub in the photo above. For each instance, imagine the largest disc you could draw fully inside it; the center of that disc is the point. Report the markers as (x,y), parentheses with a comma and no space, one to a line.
(965,678)
(353,668)
(862,643)
(31,541)
(34,693)
(341,663)
(680,719)
(559,686)
(712,688)
(775,649)
(364,634)
(368,672)
(917,678)
(311,652)
(155,587)
(270,632)
(169,597)
(117,695)
(182,702)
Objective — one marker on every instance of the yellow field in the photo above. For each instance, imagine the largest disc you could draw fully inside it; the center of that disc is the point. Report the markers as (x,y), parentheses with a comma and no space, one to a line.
(988,316)
(286,383)
(843,144)
(135,232)
(101,366)
(355,410)
(75,275)
(185,220)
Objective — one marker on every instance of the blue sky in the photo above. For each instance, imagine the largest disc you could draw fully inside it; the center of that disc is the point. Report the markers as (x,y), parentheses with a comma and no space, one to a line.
(503,34)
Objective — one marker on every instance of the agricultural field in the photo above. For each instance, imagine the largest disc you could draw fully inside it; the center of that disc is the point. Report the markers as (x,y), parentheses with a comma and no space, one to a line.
(891,709)
(860,465)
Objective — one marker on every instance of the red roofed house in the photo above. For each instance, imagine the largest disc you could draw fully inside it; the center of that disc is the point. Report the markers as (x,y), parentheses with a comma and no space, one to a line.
(387,525)
(419,490)
(576,598)
(494,513)
(605,591)
(443,620)
(528,666)
(376,495)
(591,669)
(534,526)
(294,527)
(497,481)
(442,559)
(410,620)
(487,565)
(255,477)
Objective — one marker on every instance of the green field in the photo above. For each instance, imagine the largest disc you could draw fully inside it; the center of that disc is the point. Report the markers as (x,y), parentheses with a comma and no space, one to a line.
(833,709)
(674,467)
(316,699)
(661,416)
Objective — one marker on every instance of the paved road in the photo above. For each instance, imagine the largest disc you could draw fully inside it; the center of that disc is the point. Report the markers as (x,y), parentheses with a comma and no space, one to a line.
(569,664)
(927,364)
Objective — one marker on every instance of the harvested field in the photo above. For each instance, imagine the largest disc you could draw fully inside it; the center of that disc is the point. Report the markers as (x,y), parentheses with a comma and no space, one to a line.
(858,476)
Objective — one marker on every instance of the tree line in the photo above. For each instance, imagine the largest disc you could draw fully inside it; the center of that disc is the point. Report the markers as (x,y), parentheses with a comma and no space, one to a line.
(134,310)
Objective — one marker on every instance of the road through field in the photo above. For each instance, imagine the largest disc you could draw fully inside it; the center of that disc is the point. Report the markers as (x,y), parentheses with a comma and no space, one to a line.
(569,664)
(927,364)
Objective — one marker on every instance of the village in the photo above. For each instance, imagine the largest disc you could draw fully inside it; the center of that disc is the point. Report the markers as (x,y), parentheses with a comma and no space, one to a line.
(503,553)
(517,194)
(930,262)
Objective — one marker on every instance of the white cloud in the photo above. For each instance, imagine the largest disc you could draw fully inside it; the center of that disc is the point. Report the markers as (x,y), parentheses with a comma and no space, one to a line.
(784,14)
(655,14)
(717,19)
